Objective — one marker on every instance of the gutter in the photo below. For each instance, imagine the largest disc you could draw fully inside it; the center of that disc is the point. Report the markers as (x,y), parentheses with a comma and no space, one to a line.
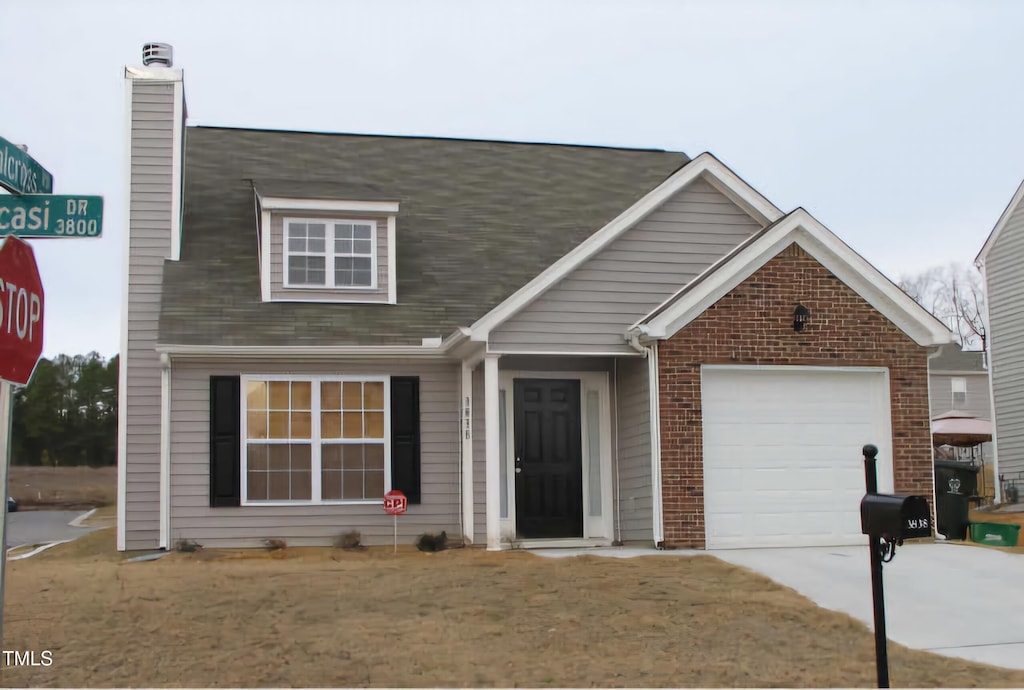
(651,353)
(431,348)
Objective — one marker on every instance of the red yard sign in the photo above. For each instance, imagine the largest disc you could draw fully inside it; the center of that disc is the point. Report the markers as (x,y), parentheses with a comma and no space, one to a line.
(21,311)
(395,502)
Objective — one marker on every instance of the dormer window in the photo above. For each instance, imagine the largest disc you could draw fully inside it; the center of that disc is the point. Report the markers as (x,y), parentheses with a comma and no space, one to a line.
(323,253)
(325,248)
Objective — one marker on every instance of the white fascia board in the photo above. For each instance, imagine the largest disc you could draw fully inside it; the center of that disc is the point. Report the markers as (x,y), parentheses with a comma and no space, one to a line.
(832,253)
(178,142)
(122,377)
(704,165)
(297,351)
(1000,224)
(276,203)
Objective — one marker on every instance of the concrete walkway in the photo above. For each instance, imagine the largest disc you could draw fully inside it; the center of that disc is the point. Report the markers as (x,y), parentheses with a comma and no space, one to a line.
(947,598)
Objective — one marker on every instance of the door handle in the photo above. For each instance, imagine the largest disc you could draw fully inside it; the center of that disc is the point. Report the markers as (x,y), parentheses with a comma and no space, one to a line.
(518,470)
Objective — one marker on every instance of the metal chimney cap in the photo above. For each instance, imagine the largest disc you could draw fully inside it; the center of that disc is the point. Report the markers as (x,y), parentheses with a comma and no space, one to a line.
(157,54)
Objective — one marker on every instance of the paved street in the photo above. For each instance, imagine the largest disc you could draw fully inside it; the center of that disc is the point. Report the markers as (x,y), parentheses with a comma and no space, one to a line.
(42,526)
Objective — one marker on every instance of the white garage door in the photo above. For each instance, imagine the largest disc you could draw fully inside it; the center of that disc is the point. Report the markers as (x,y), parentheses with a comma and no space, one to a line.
(782,453)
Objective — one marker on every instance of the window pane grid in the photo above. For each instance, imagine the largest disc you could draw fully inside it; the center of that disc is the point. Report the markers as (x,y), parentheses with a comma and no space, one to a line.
(280,440)
(315,257)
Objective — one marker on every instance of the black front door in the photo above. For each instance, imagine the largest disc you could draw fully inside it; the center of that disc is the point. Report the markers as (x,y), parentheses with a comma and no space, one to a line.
(548,460)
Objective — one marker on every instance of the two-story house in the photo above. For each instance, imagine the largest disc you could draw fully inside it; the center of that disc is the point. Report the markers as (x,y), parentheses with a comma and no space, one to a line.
(1000,265)
(958,380)
(538,344)
(959,386)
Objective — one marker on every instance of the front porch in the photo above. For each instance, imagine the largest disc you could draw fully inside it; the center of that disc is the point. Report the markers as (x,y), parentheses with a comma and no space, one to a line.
(556,451)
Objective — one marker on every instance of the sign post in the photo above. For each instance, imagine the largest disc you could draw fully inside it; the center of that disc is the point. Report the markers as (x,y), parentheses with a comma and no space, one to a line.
(31,210)
(395,504)
(21,343)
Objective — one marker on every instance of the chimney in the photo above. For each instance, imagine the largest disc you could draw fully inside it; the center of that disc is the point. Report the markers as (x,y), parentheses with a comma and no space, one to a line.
(160,54)
(155,138)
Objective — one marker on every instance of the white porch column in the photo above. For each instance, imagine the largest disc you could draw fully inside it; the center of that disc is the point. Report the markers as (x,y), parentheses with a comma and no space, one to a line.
(492,453)
(466,434)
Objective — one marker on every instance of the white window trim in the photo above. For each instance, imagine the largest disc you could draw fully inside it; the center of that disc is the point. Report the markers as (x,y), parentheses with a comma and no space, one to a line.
(315,441)
(330,254)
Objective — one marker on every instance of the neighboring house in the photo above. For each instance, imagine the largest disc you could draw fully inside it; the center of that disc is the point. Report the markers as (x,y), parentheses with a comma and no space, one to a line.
(539,344)
(958,380)
(1001,267)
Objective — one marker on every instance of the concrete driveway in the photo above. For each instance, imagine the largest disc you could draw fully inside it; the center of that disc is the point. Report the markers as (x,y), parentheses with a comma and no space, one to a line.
(947,598)
(43,526)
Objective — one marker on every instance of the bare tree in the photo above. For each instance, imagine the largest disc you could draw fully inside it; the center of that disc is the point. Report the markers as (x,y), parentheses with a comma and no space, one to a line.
(956,296)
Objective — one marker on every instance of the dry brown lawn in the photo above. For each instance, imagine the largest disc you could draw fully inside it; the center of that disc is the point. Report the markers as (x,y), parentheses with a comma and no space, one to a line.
(317,617)
(62,487)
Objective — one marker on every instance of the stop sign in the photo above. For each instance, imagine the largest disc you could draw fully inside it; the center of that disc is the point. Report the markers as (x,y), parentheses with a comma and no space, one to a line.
(21,311)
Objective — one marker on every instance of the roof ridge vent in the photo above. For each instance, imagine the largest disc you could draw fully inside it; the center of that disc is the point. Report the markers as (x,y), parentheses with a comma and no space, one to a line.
(157,54)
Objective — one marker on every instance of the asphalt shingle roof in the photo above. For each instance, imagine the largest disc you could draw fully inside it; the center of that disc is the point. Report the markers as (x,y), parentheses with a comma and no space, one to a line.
(477,220)
(952,357)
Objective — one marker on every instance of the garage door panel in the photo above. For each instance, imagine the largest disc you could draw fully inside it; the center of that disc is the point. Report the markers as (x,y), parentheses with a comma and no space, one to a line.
(781,454)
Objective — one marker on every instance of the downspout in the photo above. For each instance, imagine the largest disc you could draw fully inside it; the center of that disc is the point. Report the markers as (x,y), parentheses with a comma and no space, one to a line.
(651,353)
(933,352)
(165,451)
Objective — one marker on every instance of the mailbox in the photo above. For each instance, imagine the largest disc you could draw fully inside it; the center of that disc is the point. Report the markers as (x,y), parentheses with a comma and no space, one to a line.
(895,517)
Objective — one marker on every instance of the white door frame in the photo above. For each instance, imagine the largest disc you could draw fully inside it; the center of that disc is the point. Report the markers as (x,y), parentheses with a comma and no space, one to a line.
(593,527)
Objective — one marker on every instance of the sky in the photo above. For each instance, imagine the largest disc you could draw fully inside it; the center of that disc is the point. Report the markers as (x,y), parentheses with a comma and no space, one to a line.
(896,124)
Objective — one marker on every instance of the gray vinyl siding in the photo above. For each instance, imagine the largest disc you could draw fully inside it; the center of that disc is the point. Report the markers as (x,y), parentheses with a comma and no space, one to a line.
(590,310)
(977,402)
(193,518)
(633,448)
(1004,273)
(279,292)
(152,134)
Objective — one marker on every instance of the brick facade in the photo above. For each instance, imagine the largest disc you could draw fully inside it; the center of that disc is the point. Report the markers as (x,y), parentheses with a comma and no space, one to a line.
(753,324)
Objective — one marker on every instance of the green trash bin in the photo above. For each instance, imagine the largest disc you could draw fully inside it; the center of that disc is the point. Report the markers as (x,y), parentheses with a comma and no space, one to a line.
(955,483)
(994,533)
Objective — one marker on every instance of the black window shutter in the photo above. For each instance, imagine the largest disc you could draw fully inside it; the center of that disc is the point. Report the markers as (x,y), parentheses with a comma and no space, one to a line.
(405,436)
(225,441)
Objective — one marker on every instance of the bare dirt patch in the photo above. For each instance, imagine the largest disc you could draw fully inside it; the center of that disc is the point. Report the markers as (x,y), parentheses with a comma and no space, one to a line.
(62,488)
(318,617)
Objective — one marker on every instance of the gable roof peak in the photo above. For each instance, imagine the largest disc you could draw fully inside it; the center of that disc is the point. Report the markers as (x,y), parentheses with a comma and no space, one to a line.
(1015,201)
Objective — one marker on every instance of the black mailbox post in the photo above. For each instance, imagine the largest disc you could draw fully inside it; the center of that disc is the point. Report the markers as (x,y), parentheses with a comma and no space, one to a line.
(887,519)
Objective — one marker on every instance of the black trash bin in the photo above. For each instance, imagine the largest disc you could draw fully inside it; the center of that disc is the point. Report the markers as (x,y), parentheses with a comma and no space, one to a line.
(955,483)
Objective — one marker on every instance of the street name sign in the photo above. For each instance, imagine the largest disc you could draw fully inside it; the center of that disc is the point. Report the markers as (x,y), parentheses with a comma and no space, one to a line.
(21,312)
(20,173)
(51,215)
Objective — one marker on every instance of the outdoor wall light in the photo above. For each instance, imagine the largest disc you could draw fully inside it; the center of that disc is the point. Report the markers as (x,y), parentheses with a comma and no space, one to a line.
(800,317)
